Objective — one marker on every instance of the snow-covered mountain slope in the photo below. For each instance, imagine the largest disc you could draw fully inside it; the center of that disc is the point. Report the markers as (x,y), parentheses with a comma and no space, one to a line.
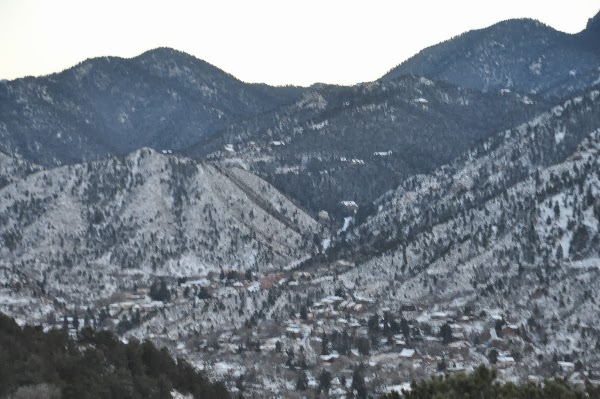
(511,225)
(164,99)
(13,168)
(354,143)
(82,231)
(522,55)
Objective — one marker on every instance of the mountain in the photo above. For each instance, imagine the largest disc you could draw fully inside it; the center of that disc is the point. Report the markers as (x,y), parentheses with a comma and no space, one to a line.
(470,235)
(512,227)
(83,232)
(354,143)
(164,99)
(522,55)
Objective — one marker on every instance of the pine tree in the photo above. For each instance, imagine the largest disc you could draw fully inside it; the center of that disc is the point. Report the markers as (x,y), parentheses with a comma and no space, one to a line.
(324,345)
(405,328)
(493,356)
(75,321)
(302,381)
(324,381)
(303,313)
(358,383)
(446,333)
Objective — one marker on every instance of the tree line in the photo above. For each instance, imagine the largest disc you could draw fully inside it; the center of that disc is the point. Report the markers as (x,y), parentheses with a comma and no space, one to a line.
(482,384)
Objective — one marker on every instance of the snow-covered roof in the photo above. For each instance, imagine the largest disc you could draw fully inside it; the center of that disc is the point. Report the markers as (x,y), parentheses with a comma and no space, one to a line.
(201,282)
(407,352)
(506,359)
(360,298)
(567,365)
(328,358)
(397,388)
(332,299)
(254,287)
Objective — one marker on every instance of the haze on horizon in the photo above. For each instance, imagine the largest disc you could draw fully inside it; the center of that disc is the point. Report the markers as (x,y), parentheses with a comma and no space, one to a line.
(271,41)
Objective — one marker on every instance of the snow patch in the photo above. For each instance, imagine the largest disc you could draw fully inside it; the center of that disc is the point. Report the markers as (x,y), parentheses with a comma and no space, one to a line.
(559,136)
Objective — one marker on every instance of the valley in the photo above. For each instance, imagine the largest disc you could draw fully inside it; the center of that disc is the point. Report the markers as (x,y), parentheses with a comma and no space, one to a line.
(323,241)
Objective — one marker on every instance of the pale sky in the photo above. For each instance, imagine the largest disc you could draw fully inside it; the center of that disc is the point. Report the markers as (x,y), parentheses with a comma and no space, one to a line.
(271,41)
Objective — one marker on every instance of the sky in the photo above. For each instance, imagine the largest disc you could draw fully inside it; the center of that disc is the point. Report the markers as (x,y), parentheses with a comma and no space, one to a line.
(272,41)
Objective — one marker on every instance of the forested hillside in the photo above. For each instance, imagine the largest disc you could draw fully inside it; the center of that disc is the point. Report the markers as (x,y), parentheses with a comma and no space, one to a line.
(354,143)
(521,55)
(95,365)
(163,99)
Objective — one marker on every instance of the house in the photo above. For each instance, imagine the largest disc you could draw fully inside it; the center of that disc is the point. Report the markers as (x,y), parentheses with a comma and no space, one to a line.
(362,332)
(510,330)
(408,307)
(351,205)
(567,366)
(293,331)
(134,297)
(382,153)
(329,358)
(332,299)
(359,308)
(409,311)
(407,353)
(442,315)
(143,290)
(505,361)
(399,340)
(363,300)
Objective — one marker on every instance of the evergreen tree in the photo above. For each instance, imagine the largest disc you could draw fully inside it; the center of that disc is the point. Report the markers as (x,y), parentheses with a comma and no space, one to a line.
(303,313)
(75,321)
(324,381)
(358,382)
(493,356)
(446,333)
(405,329)
(302,381)
(324,345)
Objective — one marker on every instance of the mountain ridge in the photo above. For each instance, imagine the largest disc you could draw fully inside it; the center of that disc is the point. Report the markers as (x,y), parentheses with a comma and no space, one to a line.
(163,98)
(520,54)
(335,141)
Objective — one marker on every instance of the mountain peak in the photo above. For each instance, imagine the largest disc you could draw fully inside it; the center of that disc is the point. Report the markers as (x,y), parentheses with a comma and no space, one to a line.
(524,55)
(165,52)
(593,23)
(168,54)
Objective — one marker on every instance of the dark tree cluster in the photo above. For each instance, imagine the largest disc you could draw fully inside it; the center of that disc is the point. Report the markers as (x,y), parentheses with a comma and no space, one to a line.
(94,365)
(482,384)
